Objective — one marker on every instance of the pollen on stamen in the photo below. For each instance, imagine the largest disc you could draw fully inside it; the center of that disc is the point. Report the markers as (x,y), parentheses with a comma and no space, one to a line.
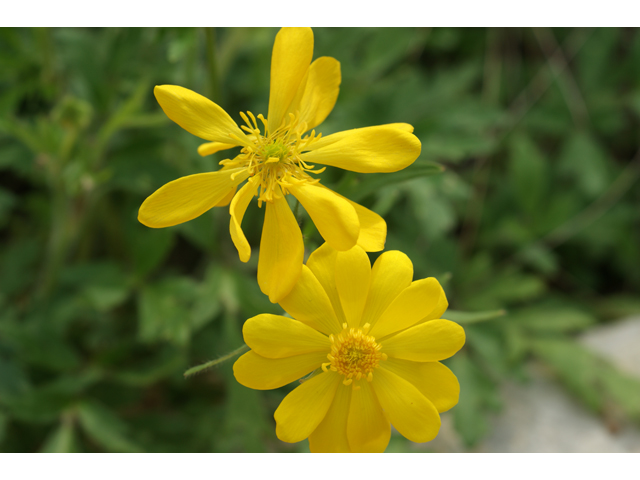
(354,354)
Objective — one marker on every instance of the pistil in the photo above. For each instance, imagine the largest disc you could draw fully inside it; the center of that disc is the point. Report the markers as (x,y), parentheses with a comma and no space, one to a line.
(275,156)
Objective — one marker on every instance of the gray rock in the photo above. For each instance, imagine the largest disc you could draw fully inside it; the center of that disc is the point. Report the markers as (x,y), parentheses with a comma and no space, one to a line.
(541,416)
(617,342)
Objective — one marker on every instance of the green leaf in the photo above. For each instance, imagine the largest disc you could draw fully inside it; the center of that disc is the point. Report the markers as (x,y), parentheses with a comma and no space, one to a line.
(45,403)
(505,288)
(433,211)
(454,147)
(585,164)
(7,202)
(170,361)
(618,306)
(13,381)
(486,343)
(540,258)
(202,231)
(62,439)
(4,421)
(623,389)
(576,366)
(103,284)
(103,426)
(387,47)
(148,247)
(553,319)
(592,379)
(634,103)
(207,304)
(595,60)
(245,417)
(516,342)
(465,318)
(41,345)
(164,310)
(124,113)
(17,265)
(373,182)
(104,298)
(469,417)
(528,174)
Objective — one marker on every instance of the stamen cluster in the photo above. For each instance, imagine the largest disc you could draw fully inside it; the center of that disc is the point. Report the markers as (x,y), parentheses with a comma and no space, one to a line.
(354,354)
(275,156)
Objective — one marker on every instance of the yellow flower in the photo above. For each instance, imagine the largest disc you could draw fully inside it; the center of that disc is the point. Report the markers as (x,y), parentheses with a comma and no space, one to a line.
(372,337)
(276,156)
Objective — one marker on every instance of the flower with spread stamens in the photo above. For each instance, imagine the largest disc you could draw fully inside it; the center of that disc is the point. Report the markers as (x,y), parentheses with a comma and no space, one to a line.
(277,158)
(372,340)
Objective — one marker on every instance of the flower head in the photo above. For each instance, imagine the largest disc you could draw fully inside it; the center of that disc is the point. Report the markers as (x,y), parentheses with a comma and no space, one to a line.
(277,157)
(372,339)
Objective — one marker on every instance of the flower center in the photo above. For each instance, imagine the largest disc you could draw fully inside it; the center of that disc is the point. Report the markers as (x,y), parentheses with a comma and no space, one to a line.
(354,354)
(274,157)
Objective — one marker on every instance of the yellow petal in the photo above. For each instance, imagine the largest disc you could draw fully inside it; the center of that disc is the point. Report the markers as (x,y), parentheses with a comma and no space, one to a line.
(238,208)
(401,126)
(373,228)
(260,373)
(441,307)
(274,336)
(198,115)
(391,274)
(331,434)
(434,380)
(368,430)
(226,200)
(188,197)
(302,410)
(427,342)
(322,262)
(335,218)
(308,303)
(412,305)
(213,147)
(318,92)
(353,271)
(281,251)
(409,411)
(292,53)
(372,149)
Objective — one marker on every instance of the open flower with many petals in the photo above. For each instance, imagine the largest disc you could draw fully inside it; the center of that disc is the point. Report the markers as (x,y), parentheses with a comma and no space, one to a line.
(373,339)
(277,157)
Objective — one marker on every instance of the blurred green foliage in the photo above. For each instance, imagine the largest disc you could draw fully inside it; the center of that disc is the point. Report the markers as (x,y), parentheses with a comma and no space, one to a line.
(525,200)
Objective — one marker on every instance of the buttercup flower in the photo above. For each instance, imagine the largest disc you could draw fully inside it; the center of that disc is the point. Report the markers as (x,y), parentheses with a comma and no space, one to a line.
(372,338)
(276,158)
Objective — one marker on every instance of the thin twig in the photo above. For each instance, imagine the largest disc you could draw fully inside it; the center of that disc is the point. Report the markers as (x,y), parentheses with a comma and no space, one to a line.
(590,214)
(519,108)
(558,65)
(598,207)
(541,82)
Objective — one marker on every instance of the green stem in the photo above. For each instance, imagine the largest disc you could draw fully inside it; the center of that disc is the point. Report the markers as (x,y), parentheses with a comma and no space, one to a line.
(465,318)
(224,358)
(296,211)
